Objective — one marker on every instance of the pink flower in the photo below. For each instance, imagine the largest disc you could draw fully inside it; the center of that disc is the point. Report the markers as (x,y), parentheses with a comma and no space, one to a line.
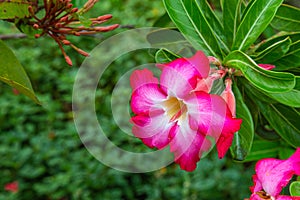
(174,111)
(12,187)
(272,175)
(267,66)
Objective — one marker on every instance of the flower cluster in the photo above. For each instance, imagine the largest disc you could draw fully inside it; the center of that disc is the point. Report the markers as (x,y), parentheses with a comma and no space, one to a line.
(272,175)
(178,110)
(62,19)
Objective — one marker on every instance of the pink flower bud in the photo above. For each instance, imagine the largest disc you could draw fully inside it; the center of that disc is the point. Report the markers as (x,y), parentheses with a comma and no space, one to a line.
(228,96)
(267,66)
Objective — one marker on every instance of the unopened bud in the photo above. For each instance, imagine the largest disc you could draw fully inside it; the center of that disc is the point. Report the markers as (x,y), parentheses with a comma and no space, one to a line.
(35,26)
(107,28)
(76,33)
(74,10)
(69,6)
(68,60)
(37,35)
(82,52)
(104,17)
(64,19)
(66,42)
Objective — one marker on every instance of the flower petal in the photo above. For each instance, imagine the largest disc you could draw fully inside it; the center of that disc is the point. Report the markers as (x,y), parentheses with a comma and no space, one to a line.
(257,184)
(283,197)
(213,118)
(274,174)
(187,145)
(146,97)
(231,126)
(181,75)
(179,81)
(295,159)
(141,77)
(154,129)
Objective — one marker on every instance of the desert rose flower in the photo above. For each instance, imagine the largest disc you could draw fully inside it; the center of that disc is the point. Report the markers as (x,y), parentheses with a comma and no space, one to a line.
(272,175)
(174,110)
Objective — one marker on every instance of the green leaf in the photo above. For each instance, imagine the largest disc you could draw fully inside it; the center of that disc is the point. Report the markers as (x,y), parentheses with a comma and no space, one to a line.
(257,16)
(243,139)
(265,80)
(214,22)
(191,21)
(295,188)
(284,120)
(273,52)
(162,21)
(290,98)
(167,38)
(287,18)
(291,59)
(295,36)
(263,149)
(231,18)
(165,56)
(10,9)
(12,73)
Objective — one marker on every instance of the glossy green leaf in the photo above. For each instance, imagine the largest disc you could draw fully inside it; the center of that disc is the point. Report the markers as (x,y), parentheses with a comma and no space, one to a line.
(214,22)
(10,9)
(257,16)
(284,120)
(242,141)
(165,56)
(291,59)
(295,188)
(191,21)
(231,18)
(290,98)
(294,36)
(12,72)
(265,80)
(263,149)
(273,52)
(287,18)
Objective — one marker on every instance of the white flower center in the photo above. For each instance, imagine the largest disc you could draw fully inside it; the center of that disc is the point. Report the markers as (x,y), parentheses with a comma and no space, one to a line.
(175,108)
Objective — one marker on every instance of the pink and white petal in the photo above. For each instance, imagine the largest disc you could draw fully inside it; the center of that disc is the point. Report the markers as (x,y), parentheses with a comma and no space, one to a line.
(257,184)
(145,97)
(201,63)
(274,174)
(186,144)
(178,81)
(255,197)
(154,131)
(283,197)
(198,63)
(231,126)
(295,159)
(142,77)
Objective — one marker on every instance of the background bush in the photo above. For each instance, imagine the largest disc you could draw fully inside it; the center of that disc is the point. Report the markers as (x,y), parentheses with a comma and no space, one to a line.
(39,145)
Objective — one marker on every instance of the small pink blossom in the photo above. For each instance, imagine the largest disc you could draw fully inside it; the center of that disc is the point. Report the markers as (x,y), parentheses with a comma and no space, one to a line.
(176,111)
(12,187)
(272,175)
(267,66)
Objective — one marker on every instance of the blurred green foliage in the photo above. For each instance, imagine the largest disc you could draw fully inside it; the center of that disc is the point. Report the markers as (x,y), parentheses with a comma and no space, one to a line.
(39,145)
